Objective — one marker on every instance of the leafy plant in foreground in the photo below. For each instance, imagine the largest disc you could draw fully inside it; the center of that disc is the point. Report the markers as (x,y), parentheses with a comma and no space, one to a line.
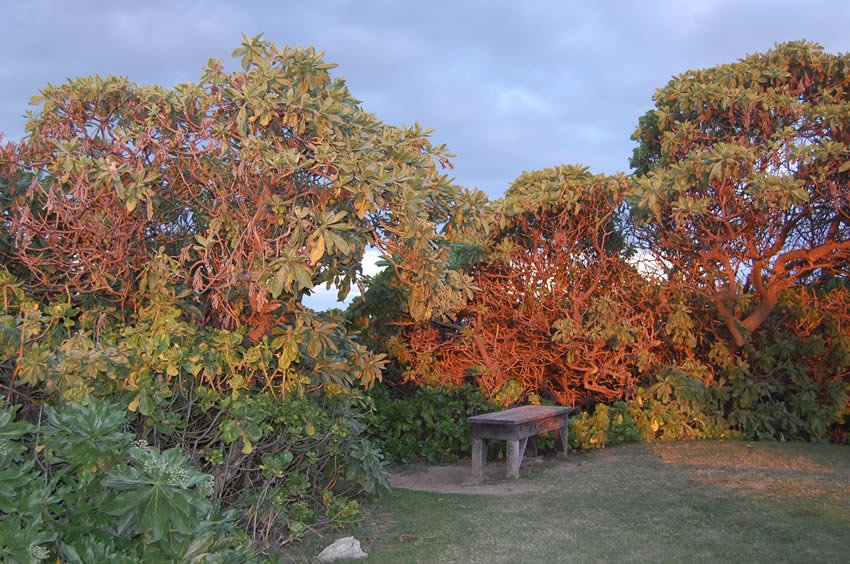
(76,487)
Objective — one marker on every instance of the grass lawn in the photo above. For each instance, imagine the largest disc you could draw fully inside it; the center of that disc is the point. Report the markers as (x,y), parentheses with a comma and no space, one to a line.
(663,502)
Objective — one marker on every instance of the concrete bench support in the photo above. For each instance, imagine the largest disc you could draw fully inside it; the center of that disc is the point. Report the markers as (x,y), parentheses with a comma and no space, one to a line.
(516,426)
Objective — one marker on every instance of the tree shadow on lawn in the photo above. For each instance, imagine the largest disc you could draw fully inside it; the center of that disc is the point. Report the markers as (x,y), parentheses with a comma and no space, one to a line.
(665,502)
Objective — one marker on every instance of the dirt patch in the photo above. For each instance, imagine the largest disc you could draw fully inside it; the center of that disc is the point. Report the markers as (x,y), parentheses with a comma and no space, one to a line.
(737,456)
(771,470)
(458,479)
(785,485)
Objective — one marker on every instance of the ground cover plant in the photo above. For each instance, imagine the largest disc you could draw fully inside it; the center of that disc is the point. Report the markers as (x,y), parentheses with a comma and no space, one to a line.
(93,493)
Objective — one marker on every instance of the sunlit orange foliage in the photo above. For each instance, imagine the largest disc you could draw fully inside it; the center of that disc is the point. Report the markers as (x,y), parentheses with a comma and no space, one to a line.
(560,311)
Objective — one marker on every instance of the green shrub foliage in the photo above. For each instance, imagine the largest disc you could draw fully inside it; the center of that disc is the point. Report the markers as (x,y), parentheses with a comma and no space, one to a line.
(77,487)
(428,425)
(275,456)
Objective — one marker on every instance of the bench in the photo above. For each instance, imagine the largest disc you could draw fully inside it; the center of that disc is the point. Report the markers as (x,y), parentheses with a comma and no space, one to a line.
(516,426)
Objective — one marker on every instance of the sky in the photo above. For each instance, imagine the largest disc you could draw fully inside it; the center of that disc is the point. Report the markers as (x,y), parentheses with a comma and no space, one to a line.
(507,86)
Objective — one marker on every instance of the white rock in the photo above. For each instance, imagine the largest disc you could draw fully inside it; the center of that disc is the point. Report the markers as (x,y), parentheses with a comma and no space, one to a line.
(347,547)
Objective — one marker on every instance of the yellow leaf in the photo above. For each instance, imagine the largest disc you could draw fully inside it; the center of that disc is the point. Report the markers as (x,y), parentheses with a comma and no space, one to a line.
(310,429)
(655,425)
(318,250)
(39,448)
(362,207)
(248,448)
(134,405)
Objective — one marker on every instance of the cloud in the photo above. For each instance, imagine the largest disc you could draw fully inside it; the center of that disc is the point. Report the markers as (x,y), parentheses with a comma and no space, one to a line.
(508,86)
(517,100)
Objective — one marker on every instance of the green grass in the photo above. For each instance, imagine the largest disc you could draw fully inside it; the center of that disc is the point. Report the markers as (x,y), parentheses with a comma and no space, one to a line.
(666,502)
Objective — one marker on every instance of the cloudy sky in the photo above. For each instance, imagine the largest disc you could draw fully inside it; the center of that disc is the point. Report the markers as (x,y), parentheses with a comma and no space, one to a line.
(508,86)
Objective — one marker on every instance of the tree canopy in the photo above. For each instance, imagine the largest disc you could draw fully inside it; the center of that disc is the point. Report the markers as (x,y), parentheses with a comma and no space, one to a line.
(252,186)
(558,311)
(743,174)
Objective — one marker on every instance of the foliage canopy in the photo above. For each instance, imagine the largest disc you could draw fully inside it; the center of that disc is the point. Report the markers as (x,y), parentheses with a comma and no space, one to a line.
(743,179)
(559,311)
(253,187)
(157,245)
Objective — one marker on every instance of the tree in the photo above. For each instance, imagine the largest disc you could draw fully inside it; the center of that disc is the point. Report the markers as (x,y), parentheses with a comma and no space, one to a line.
(743,173)
(559,311)
(156,246)
(255,186)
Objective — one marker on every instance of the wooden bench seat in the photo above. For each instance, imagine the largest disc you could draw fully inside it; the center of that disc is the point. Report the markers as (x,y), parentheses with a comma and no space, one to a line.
(516,426)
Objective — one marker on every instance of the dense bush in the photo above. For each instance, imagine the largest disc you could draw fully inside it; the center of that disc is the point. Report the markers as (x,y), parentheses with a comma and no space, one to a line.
(428,425)
(792,379)
(702,297)
(743,179)
(257,185)
(157,245)
(275,447)
(559,312)
(78,487)
(676,407)
(789,382)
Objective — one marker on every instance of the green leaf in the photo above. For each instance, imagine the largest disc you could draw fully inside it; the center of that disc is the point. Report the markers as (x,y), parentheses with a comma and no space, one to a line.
(302,275)
(229,430)
(275,286)
(146,405)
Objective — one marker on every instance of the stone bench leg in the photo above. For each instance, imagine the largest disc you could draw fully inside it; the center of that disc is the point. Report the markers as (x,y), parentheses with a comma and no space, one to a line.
(562,441)
(515,449)
(479,457)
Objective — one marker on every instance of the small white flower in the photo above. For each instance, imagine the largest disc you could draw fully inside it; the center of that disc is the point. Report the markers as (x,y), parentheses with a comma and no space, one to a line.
(207,487)
(38,552)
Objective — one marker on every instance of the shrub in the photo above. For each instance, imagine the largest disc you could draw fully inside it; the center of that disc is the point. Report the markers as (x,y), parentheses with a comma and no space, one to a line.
(158,244)
(742,183)
(559,313)
(258,185)
(677,406)
(77,487)
(792,380)
(275,440)
(429,425)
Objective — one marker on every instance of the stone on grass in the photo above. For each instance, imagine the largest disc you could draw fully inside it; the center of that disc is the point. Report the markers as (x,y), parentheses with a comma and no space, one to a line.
(344,548)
